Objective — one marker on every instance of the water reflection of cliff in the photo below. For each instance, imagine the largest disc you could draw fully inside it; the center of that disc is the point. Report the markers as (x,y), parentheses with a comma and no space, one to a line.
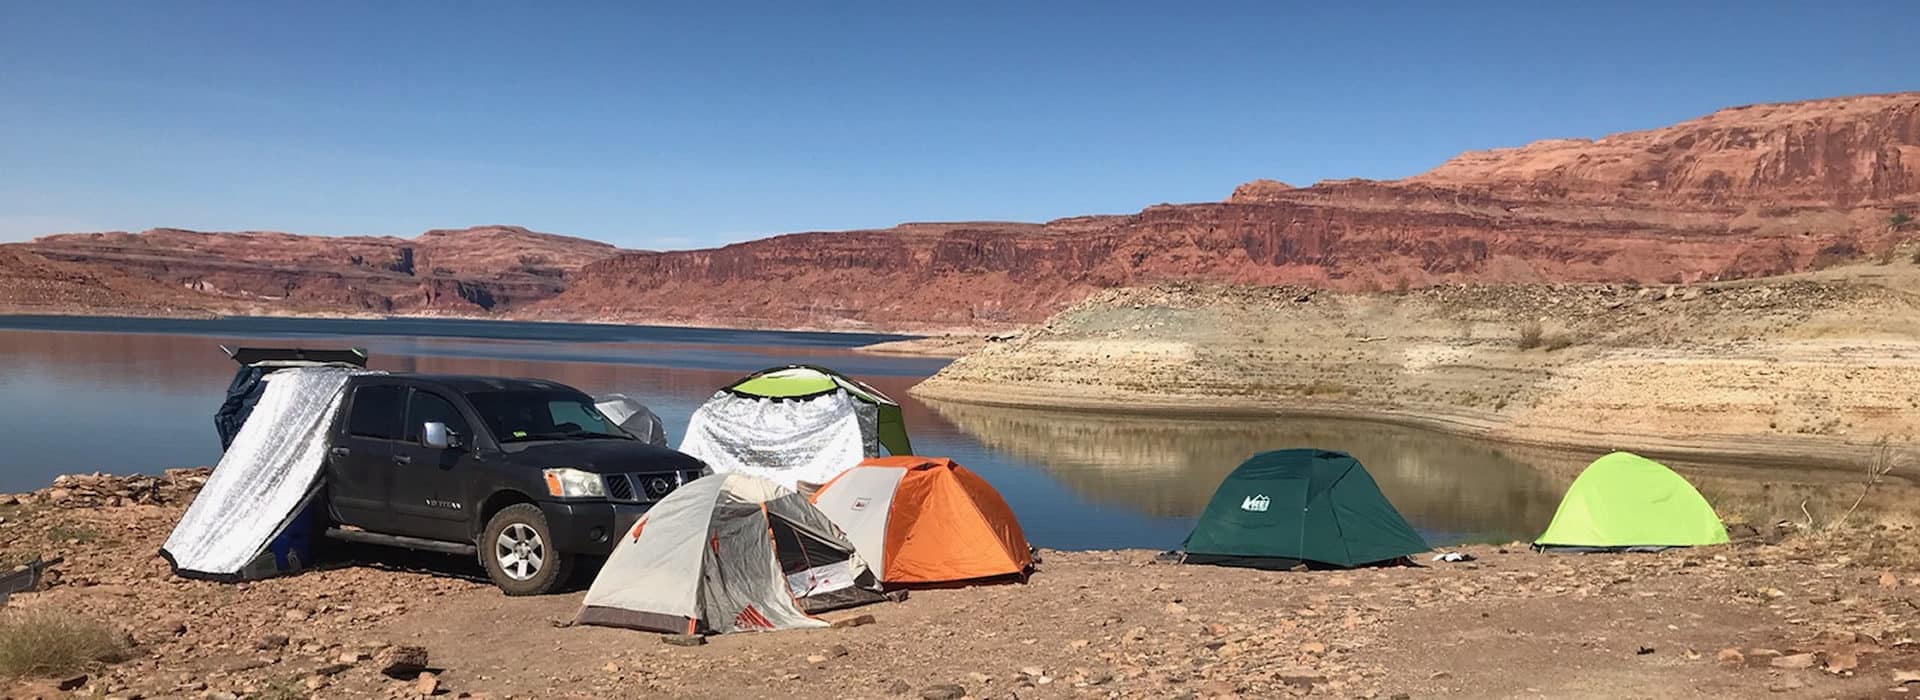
(1170,467)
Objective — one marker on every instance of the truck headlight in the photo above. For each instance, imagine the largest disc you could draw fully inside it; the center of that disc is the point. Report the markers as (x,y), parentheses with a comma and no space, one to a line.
(567,482)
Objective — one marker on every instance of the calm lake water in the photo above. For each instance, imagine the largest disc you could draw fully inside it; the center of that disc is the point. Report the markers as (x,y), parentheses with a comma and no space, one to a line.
(138,395)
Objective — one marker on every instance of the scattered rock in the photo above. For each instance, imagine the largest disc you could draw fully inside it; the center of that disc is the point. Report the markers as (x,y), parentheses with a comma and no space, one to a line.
(943,692)
(271,641)
(1730,656)
(1176,609)
(426,684)
(684,640)
(1888,580)
(401,661)
(816,659)
(73,682)
(1794,661)
(855,621)
(331,670)
(1643,651)
(837,651)
(297,615)
(1314,649)
(899,687)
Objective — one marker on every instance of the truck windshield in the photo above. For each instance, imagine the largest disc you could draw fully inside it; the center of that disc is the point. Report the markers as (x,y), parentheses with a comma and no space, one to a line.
(524,416)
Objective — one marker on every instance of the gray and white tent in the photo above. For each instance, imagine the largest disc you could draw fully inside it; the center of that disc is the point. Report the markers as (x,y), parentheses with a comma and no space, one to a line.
(798,425)
(728,553)
(633,417)
(251,518)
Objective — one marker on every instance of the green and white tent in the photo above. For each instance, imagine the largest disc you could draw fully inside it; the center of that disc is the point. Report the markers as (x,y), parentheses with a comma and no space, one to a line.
(1286,508)
(798,425)
(1625,502)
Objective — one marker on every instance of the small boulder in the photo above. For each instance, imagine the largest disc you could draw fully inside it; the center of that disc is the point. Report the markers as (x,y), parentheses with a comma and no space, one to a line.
(401,661)
(855,621)
(1794,661)
(426,684)
(947,691)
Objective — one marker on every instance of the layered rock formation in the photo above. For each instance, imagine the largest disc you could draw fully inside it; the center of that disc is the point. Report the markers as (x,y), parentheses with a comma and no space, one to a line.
(473,270)
(1744,192)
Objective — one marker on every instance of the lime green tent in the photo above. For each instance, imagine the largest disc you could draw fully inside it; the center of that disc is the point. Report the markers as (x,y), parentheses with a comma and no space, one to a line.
(1285,508)
(801,382)
(1627,502)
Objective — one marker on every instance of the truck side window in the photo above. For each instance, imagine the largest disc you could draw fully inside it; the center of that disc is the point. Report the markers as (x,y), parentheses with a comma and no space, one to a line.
(376,412)
(425,407)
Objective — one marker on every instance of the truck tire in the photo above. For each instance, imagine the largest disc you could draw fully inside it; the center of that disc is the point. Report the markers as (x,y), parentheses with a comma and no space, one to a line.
(517,549)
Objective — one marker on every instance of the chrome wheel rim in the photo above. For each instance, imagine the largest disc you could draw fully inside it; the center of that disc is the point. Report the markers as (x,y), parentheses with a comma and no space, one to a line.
(519,552)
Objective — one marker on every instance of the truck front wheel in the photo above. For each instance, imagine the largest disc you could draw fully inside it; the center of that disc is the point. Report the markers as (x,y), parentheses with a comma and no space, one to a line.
(517,549)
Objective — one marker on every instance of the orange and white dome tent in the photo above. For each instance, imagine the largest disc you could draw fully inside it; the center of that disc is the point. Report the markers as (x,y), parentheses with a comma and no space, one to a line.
(925,520)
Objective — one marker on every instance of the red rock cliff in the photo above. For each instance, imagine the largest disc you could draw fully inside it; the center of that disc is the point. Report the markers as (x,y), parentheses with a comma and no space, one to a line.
(1743,192)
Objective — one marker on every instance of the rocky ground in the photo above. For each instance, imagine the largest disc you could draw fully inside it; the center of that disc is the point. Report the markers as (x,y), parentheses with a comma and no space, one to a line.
(1790,614)
(1811,370)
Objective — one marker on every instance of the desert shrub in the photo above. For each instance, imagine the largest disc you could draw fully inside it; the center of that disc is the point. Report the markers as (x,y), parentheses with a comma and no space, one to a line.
(1916,255)
(1324,387)
(50,642)
(1560,341)
(1900,221)
(1530,335)
(80,533)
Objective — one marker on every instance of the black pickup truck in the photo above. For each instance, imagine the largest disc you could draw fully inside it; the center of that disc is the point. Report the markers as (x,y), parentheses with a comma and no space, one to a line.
(526,474)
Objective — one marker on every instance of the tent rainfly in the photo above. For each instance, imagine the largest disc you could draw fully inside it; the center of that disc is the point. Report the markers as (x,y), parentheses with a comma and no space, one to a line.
(797,425)
(926,520)
(253,517)
(728,553)
(1287,508)
(1625,502)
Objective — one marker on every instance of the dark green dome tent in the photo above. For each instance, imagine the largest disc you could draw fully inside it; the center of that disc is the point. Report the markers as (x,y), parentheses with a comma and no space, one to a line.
(1285,508)
(1625,502)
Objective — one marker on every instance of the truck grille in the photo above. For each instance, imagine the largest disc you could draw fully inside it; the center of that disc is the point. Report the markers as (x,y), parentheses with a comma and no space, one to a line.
(646,487)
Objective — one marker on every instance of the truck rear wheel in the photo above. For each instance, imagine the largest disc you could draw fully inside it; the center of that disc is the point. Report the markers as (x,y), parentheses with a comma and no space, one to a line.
(517,549)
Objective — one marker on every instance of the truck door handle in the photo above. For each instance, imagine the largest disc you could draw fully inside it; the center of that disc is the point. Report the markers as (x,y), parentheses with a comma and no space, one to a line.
(402,459)
(340,452)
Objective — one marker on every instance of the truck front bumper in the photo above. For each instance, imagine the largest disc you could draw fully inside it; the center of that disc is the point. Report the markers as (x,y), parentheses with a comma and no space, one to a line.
(591,527)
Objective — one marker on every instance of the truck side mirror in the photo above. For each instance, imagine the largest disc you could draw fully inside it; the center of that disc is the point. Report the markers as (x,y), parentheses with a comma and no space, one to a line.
(437,436)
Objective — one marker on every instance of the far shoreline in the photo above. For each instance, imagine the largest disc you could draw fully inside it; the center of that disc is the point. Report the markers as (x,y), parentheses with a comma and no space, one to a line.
(12,319)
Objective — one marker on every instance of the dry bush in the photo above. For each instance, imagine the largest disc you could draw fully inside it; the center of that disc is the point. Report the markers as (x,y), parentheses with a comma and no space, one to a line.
(1530,335)
(1916,255)
(1324,387)
(50,642)
(1560,341)
(1880,463)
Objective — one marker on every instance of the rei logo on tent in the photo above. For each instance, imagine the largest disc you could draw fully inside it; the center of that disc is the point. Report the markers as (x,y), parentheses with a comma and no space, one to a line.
(860,503)
(752,619)
(1255,504)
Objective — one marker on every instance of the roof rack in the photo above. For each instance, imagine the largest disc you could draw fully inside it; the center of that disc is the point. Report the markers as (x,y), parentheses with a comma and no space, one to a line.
(247,356)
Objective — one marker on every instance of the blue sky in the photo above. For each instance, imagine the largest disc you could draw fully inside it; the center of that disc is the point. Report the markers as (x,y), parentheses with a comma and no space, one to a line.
(657,125)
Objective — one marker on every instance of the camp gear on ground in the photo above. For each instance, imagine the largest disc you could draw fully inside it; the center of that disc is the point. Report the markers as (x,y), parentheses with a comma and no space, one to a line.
(1453,557)
(256,364)
(25,577)
(728,553)
(1285,508)
(253,517)
(922,520)
(1627,502)
(633,417)
(799,426)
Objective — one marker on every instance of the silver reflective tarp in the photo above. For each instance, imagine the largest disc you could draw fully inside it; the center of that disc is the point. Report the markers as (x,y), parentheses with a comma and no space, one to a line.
(797,443)
(266,477)
(633,417)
